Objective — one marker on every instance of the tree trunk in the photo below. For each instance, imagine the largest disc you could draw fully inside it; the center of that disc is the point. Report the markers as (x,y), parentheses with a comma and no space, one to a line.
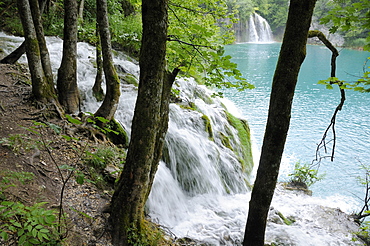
(41,89)
(13,57)
(111,99)
(97,89)
(81,11)
(68,93)
(134,185)
(292,54)
(44,53)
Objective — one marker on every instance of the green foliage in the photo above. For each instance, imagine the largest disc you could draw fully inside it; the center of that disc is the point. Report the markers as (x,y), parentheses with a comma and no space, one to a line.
(304,173)
(196,40)
(127,31)
(19,142)
(352,18)
(103,156)
(275,12)
(242,9)
(52,19)
(28,225)
(10,179)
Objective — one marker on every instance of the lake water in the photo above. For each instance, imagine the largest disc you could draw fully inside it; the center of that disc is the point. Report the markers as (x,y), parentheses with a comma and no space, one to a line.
(313,106)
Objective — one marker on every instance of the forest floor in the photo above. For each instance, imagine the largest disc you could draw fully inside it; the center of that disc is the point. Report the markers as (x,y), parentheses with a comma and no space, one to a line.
(22,152)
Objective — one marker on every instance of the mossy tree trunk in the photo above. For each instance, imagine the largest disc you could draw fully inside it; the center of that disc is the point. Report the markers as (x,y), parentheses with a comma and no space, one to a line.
(148,127)
(68,92)
(111,99)
(42,87)
(292,54)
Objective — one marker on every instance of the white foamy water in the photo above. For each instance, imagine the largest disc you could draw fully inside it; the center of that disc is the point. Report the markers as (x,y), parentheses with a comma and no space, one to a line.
(199,190)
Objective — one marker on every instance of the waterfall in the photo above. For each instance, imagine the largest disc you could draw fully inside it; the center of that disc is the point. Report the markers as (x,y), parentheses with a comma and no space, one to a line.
(258,29)
(255,30)
(201,188)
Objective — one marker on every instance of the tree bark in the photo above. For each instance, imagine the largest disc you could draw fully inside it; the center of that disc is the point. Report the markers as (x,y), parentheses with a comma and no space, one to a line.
(41,89)
(292,54)
(44,53)
(81,11)
(111,99)
(97,89)
(134,185)
(68,92)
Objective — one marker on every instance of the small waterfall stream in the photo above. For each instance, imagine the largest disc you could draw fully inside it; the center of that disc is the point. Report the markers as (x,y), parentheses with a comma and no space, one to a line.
(201,190)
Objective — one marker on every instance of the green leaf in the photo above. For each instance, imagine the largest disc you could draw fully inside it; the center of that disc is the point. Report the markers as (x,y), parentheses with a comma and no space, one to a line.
(34,232)
(329,87)
(22,239)
(102,119)
(50,219)
(57,129)
(73,120)
(80,179)
(4,235)
(34,241)
(20,232)
(17,224)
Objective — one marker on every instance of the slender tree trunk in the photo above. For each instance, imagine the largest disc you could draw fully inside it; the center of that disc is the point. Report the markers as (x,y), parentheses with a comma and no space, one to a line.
(41,89)
(68,93)
(111,99)
(44,53)
(163,127)
(81,11)
(13,57)
(135,182)
(292,54)
(97,89)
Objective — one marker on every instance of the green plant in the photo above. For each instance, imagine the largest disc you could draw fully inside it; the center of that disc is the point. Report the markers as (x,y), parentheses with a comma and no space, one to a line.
(9,178)
(19,142)
(28,225)
(305,174)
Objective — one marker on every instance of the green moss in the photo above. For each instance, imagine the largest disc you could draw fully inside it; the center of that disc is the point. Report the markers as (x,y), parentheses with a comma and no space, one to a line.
(226,141)
(130,79)
(242,127)
(190,106)
(207,99)
(287,221)
(208,126)
(119,139)
(147,235)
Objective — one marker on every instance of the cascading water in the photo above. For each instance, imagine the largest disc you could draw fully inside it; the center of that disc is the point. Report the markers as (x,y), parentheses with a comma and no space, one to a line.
(255,30)
(200,190)
(258,29)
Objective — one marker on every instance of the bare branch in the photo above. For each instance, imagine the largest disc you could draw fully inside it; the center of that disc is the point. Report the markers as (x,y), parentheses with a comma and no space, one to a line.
(331,126)
(190,44)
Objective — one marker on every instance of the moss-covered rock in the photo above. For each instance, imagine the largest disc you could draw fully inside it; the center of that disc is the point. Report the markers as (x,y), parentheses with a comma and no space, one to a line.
(208,126)
(245,151)
(118,135)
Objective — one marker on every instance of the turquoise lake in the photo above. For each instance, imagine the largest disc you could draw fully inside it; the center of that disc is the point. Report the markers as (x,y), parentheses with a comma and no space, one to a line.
(313,106)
